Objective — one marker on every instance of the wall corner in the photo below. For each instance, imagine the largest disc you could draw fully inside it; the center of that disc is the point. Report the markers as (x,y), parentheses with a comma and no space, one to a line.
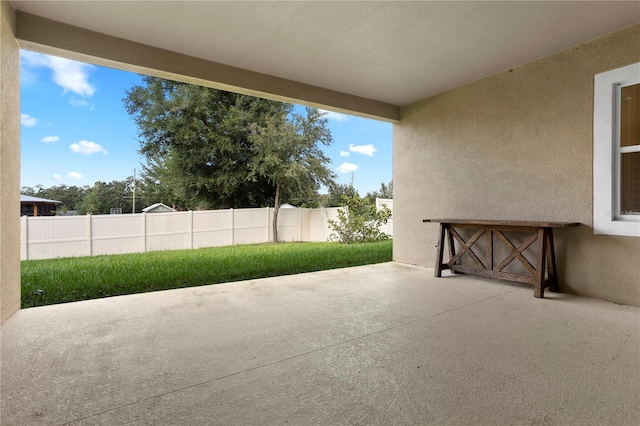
(9,164)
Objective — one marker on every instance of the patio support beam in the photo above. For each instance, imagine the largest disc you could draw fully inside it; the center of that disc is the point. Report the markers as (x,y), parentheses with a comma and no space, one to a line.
(9,164)
(56,38)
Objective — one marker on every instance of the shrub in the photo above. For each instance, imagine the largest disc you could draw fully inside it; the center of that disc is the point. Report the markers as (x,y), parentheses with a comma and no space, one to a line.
(359,221)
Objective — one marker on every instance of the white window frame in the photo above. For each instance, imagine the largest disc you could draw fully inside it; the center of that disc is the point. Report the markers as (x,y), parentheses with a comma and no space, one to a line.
(606,150)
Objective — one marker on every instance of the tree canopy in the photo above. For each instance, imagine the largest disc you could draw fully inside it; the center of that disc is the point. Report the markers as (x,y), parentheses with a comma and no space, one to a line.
(288,155)
(337,194)
(104,196)
(385,191)
(206,147)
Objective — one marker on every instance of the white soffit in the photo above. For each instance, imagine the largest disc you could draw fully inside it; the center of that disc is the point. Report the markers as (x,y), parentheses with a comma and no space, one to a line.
(393,52)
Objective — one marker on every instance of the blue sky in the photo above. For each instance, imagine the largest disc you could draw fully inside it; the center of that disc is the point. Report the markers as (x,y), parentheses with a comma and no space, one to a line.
(75,130)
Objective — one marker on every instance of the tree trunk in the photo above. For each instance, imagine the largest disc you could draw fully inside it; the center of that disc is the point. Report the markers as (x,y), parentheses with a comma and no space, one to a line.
(228,202)
(276,209)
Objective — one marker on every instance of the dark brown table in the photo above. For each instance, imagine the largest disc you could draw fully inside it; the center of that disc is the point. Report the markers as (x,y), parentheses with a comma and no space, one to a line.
(542,275)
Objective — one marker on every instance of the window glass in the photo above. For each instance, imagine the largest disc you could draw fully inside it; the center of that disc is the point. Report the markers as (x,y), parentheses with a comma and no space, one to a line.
(630,115)
(630,185)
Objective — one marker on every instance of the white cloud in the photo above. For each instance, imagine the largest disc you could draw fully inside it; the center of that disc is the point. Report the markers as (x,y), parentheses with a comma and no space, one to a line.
(74,175)
(347,168)
(27,121)
(57,176)
(33,59)
(79,102)
(344,154)
(72,76)
(50,139)
(87,148)
(363,149)
(336,116)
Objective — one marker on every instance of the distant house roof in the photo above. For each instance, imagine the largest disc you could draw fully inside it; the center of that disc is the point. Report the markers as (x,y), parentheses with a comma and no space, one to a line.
(158,208)
(31,199)
(287,206)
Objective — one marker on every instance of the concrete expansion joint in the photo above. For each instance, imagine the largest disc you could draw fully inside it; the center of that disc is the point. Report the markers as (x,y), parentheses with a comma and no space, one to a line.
(477,302)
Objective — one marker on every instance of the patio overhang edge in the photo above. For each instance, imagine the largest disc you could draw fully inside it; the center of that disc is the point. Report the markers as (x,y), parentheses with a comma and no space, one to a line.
(52,37)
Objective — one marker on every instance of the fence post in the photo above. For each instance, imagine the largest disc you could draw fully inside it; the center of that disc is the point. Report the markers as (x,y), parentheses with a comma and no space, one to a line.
(233,227)
(191,229)
(24,238)
(89,234)
(325,237)
(144,232)
(268,227)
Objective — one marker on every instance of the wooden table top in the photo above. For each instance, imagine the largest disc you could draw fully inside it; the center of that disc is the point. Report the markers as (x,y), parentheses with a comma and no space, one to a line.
(523,223)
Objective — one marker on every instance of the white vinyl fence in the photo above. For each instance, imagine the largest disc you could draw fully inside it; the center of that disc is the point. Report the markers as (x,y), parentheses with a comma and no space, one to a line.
(91,235)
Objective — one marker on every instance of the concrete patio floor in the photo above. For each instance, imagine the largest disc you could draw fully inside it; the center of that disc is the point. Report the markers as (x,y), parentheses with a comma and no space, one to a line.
(382,344)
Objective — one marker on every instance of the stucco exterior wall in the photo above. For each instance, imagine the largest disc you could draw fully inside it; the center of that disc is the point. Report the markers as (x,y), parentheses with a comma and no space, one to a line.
(9,164)
(517,145)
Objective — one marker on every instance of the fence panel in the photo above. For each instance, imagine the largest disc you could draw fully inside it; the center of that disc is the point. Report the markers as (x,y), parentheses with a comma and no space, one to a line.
(288,224)
(250,226)
(168,231)
(116,234)
(319,223)
(50,237)
(212,228)
(305,224)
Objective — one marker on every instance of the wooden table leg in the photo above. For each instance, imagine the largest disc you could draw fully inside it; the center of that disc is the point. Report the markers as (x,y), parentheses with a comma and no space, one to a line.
(538,285)
(489,249)
(452,247)
(551,262)
(438,272)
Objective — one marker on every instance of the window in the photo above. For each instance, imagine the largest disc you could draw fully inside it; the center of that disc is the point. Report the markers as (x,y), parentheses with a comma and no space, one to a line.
(616,159)
(629,149)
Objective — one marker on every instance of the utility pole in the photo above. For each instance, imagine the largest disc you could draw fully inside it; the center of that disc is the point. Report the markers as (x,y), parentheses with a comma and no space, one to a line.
(133,210)
(352,174)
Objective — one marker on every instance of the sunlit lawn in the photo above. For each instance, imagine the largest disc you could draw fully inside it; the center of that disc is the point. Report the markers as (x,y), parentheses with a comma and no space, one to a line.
(51,281)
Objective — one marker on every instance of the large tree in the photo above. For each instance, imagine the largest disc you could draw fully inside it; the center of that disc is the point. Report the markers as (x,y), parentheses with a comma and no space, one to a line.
(201,135)
(288,153)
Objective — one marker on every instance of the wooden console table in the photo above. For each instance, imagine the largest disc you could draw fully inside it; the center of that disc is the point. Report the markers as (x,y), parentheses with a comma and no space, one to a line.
(543,273)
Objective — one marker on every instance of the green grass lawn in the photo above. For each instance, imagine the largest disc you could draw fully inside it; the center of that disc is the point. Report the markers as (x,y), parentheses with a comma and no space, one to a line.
(51,281)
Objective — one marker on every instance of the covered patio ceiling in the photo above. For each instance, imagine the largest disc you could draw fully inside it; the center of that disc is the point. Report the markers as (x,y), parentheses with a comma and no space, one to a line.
(394,53)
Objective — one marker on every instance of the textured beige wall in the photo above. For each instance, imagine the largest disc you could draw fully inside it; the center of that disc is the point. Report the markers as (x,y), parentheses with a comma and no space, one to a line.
(9,165)
(517,145)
